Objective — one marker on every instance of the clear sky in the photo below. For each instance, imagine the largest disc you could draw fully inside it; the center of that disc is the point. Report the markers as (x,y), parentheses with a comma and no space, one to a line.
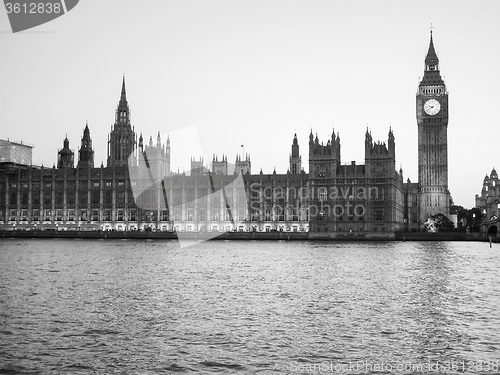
(254,73)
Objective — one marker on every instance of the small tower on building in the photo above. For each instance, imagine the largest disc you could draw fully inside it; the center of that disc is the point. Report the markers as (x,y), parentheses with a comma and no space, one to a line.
(380,158)
(324,160)
(219,166)
(65,156)
(295,158)
(86,153)
(157,156)
(197,167)
(243,166)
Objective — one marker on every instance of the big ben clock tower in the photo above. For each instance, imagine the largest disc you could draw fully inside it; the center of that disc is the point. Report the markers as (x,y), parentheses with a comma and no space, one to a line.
(432,120)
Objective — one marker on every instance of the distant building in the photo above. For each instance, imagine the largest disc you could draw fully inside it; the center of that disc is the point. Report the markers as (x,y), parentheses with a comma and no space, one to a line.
(15,153)
(489,204)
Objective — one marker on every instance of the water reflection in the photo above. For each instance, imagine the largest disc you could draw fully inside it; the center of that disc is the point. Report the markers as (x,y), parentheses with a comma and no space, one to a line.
(430,301)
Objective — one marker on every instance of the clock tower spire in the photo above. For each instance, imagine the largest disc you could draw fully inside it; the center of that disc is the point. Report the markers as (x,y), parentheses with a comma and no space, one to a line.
(432,121)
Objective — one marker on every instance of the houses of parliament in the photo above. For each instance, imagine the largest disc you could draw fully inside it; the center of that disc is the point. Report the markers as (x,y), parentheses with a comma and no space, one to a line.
(137,190)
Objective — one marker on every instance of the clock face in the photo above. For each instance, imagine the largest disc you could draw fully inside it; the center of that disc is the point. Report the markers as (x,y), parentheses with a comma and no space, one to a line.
(432,107)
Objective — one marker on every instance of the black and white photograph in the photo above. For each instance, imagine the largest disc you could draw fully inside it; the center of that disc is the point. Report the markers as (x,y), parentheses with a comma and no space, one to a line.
(249,187)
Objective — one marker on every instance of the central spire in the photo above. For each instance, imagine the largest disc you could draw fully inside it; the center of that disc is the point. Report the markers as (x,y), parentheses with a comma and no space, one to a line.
(123,112)
(123,98)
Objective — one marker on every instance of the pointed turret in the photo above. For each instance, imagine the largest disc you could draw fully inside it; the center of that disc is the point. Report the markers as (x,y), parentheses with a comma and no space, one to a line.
(123,112)
(86,133)
(493,174)
(295,158)
(391,145)
(295,147)
(368,142)
(368,136)
(86,153)
(65,157)
(123,97)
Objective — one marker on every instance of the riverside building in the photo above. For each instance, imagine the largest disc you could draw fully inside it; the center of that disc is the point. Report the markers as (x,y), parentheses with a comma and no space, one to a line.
(137,189)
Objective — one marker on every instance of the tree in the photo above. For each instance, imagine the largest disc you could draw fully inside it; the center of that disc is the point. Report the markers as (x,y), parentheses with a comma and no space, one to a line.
(439,223)
(467,217)
(458,210)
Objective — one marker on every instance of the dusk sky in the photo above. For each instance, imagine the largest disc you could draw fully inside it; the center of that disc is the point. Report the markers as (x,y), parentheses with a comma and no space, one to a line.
(255,73)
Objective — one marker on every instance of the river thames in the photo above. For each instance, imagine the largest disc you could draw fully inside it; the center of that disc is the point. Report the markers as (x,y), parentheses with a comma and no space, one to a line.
(102,306)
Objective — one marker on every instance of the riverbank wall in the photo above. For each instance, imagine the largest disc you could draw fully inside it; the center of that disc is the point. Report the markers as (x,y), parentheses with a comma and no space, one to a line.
(241,236)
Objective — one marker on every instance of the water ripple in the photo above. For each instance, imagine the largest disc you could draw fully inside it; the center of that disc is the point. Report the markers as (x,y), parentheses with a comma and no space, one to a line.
(245,307)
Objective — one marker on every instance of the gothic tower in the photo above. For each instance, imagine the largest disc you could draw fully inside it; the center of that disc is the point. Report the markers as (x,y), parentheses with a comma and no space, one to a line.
(295,159)
(121,140)
(197,167)
(86,154)
(219,166)
(380,158)
(243,166)
(324,165)
(65,157)
(156,156)
(324,160)
(432,120)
